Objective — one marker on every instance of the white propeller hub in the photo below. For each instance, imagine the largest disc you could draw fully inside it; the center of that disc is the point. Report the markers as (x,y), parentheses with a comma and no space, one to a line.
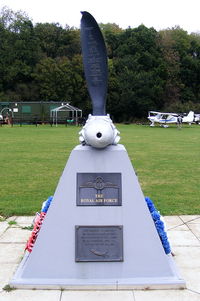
(99,132)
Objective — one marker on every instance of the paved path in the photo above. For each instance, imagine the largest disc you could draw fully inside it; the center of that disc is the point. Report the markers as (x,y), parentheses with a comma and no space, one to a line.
(183,233)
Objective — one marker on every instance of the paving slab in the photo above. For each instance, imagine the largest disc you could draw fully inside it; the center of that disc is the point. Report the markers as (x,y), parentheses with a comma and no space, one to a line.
(15,235)
(166,295)
(30,295)
(25,220)
(172,221)
(6,273)
(195,228)
(97,296)
(3,226)
(195,221)
(182,227)
(189,218)
(11,253)
(192,278)
(187,257)
(11,218)
(188,263)
(182,238)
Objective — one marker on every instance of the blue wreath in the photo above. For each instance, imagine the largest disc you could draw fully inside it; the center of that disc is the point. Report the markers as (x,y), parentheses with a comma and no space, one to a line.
(159,225)
(46,204)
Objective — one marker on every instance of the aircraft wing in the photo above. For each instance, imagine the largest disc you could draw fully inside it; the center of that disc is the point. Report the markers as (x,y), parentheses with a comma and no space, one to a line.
(171,114)
(164,113)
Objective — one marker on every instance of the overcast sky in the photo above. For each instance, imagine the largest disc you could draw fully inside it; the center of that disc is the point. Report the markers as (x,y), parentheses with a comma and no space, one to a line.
(152,13)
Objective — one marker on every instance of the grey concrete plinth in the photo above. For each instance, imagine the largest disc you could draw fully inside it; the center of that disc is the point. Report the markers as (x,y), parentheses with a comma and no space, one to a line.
(52,262)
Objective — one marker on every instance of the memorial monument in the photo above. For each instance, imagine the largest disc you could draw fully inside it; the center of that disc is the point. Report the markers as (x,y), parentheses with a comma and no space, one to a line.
(98,232)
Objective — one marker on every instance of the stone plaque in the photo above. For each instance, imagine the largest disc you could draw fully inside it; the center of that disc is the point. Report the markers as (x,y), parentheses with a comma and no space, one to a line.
(98,243)
(99,189)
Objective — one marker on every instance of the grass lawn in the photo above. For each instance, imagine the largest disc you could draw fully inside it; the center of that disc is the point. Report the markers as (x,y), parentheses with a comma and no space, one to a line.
(166,161)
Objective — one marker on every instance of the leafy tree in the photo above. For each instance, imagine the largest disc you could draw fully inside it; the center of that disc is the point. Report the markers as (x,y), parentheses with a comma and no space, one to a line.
(11,20)
(19,52)
(80,96)
(190,71)
(140,71)
(53,79)
(172,59)
(56,41)
(181,53)
(62,79)
(114,105)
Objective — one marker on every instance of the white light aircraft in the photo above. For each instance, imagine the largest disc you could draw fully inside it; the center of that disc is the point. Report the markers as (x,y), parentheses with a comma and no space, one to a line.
(197,118)
(167,118)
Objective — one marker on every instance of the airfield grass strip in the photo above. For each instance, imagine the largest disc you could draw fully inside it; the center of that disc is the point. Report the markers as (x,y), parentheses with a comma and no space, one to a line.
(166,161)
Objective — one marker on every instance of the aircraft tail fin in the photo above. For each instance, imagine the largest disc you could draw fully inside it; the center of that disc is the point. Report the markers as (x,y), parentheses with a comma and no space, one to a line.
(190,114)
(189,118)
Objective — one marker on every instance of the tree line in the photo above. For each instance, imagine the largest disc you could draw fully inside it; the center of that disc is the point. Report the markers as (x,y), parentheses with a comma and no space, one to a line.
(148,69)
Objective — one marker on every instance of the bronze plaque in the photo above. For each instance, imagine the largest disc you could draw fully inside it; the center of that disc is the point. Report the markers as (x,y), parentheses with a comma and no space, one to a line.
(98,243)
(99,189)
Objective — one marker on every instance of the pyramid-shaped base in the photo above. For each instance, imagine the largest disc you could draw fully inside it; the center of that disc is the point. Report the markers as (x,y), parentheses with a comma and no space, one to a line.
(125,252)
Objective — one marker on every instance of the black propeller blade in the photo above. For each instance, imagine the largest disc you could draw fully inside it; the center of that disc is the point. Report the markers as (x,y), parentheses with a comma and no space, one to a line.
(95,62)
